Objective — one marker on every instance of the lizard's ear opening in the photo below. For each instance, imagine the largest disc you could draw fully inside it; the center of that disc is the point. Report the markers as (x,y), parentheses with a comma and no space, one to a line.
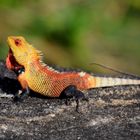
(18,42)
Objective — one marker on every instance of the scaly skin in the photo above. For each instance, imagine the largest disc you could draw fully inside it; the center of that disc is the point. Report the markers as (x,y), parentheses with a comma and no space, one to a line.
(49,82)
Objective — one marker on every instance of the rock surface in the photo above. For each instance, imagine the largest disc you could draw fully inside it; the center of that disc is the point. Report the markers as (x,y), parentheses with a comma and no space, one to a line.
(111,113)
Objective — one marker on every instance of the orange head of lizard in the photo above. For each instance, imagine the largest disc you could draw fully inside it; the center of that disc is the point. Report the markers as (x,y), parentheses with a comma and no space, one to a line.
(20,52)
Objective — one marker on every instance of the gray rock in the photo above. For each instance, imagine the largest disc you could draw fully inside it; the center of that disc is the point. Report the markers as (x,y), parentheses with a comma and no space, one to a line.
(111,113)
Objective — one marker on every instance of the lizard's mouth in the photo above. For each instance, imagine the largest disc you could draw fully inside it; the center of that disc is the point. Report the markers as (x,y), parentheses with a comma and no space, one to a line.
(11,62)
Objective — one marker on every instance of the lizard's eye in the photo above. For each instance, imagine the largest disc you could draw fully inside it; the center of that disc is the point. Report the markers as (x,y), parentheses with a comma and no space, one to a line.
(17,42)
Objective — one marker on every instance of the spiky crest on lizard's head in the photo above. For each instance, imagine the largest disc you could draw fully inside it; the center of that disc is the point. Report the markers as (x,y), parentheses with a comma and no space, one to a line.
(22,51)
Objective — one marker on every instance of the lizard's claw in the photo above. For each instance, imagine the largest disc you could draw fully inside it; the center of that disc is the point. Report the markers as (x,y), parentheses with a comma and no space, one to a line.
(22,94)
(72,91)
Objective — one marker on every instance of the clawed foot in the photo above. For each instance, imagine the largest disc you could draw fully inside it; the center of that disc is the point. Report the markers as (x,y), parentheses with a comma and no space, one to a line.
(21,95)
(72,91)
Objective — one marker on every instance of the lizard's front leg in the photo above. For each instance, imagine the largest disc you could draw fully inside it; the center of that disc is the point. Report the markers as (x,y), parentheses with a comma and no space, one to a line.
(20,95)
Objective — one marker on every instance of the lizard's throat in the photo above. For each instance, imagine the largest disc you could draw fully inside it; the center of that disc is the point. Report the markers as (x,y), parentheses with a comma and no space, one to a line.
(11,62)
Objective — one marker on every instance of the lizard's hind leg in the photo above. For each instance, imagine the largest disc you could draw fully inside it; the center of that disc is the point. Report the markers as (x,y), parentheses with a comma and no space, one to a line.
(72,91)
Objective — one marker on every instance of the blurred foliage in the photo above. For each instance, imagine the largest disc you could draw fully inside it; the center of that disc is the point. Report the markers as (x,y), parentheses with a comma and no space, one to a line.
(73,33)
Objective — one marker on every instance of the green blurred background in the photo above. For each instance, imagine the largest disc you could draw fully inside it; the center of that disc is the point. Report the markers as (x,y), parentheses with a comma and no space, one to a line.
(74,33)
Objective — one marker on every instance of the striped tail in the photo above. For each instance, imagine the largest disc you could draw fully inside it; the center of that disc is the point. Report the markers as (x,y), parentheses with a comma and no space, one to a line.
(110,81)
